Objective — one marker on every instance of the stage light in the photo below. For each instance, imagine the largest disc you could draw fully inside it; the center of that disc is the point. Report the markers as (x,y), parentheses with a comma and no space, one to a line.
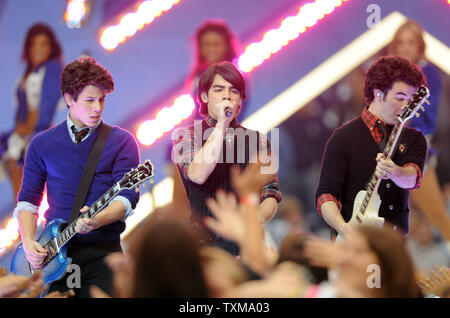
(161,195)
(131,22)
(254,54)
(142,210)
(290,28)
(166,119)
(76,11)
(336,67)
(10,233)
(330,71)
(42,208)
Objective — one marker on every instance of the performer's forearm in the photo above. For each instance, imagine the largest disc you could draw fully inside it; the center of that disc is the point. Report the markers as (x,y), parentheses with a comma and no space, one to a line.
(333,217)
(405,177)
(206,159)
(114,212)
(267,209)
(27,225)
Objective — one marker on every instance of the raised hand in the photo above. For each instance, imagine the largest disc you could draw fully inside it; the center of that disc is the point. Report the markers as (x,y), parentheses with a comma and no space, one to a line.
(321,252)
(58,294)
(436,282)
(251,180)
(229,221)
(220,111)
(21,286)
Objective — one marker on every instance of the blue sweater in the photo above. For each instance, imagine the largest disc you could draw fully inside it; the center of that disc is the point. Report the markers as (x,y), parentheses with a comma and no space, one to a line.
(54,159)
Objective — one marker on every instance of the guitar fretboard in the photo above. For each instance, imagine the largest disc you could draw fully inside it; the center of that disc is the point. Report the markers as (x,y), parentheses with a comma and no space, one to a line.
(70,232)
(387,153)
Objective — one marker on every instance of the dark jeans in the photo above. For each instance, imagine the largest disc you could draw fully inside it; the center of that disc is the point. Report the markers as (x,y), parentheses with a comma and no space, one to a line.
(209,238)
(94,271)
(226,245)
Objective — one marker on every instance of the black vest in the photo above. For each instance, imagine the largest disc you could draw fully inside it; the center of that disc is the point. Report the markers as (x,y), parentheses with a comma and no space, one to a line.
(349,162)
(220,177)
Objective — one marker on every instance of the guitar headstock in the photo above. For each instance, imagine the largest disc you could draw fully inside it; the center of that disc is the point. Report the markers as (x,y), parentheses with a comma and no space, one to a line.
(415,103)
(136,176)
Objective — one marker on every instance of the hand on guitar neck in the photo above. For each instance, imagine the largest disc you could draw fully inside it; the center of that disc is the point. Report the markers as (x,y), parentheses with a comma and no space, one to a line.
(404,177)
(85,225)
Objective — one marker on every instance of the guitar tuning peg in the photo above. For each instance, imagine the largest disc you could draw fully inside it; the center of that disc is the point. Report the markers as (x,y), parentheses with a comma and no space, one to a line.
(151,181)
(426,101)
(136,189)
(417,115)
(144,185)
(422,108)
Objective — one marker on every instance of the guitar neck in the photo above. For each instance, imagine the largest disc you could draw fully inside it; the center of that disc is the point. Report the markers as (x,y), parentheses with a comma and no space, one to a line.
(69,232)
(387,153)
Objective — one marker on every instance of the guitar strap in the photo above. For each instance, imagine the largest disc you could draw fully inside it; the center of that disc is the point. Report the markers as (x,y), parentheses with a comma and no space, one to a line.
(89,170)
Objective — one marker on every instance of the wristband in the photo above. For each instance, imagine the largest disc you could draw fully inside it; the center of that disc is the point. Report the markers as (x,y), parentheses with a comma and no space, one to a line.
(250,199)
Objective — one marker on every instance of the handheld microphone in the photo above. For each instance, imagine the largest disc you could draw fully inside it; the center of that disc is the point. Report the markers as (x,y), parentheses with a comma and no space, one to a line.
(228,112)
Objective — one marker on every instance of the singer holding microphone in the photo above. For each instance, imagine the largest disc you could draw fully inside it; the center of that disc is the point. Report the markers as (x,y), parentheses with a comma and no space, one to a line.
(205,152)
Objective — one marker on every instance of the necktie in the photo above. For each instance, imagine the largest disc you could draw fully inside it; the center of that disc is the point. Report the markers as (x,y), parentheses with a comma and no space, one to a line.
(79,135)
(383,135)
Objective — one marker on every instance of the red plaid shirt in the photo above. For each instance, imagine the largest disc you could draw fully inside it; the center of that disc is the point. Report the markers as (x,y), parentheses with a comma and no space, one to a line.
(371,122)
(186,153)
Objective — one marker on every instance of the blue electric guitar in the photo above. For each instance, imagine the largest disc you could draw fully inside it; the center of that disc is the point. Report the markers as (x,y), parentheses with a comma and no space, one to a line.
(56,234)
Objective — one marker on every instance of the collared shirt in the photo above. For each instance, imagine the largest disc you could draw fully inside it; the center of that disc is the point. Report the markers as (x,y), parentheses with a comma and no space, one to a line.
(27,206)
(212,122)
(372,123)
(186,143)
(70,123)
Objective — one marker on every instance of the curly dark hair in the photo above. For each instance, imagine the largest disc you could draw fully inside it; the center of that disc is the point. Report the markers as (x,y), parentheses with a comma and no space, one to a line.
(33,31)
(229,72)
(386,71)
(83,72)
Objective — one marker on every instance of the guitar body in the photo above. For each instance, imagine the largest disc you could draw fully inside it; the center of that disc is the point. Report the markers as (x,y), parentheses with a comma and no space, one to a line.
(370,217)
(56,268)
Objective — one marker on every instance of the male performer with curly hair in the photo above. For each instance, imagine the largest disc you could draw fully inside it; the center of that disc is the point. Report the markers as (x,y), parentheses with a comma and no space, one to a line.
(354,151)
